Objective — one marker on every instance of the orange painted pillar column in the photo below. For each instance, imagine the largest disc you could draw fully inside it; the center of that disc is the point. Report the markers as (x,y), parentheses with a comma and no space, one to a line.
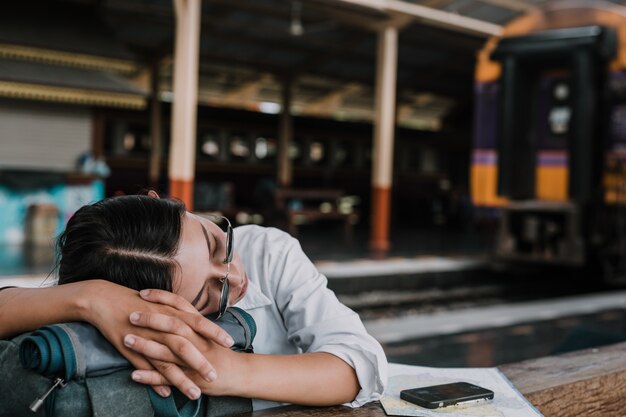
(182,161)
(384,129)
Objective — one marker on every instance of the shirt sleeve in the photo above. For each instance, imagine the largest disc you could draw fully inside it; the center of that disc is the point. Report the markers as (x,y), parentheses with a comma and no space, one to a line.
(316,321)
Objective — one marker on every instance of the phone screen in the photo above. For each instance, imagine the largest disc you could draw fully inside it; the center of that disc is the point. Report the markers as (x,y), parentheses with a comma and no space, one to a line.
(447,394)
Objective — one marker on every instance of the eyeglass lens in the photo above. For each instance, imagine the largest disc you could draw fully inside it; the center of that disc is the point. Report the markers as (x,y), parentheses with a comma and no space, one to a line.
(229,256)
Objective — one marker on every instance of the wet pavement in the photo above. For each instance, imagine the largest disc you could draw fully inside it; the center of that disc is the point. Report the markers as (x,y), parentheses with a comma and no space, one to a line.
(324,243)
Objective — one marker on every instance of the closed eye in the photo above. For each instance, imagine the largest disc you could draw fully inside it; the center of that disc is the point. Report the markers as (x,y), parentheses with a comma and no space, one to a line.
(211,254)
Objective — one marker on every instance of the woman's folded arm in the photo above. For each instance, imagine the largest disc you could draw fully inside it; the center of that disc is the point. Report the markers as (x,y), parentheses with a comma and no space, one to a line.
(26,309)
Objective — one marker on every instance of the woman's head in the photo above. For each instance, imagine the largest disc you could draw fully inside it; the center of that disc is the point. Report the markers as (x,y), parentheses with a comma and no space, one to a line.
(129,240)
(146,242)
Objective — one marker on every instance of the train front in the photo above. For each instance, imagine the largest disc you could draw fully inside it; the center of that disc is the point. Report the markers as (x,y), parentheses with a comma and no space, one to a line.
(550,138)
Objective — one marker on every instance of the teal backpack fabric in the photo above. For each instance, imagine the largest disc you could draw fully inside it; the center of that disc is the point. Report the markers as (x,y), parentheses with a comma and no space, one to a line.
(83,376)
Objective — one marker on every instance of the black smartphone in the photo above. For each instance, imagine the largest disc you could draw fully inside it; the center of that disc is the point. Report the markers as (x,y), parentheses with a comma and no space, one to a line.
(444,395)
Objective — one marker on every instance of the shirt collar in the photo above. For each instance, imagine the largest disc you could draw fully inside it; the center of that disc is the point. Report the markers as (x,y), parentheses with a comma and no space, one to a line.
(254,298)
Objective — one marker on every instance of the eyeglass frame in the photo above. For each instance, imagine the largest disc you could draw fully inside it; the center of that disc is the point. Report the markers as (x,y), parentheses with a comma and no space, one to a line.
(224,280)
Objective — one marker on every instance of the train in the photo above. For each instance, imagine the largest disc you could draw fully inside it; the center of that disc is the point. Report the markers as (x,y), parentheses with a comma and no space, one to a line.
(549,141)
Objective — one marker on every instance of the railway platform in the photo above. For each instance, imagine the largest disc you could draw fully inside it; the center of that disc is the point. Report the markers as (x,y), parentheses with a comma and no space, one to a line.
(436,300)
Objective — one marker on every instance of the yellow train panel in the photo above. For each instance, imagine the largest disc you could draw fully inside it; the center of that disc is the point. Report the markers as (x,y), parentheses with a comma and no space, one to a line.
(484,180)
(551,183)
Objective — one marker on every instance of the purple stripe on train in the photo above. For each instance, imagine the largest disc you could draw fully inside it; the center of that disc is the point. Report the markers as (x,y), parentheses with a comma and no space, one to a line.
(552,159)
(484,157)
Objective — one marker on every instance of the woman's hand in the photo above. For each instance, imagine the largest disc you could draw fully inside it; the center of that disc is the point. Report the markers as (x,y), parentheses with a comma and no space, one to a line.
(223,358)
(160,319)
(163,357)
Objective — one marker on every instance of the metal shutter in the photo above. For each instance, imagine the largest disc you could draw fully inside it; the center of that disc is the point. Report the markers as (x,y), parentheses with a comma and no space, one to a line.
(40,136)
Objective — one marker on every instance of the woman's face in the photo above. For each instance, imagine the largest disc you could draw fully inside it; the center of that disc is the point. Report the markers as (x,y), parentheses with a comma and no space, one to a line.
(201,252)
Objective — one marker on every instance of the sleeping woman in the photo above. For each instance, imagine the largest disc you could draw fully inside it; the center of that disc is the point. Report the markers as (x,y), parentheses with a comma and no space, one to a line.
(146,272)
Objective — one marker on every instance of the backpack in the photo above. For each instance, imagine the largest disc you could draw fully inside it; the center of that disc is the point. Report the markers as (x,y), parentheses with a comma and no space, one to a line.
(70,369)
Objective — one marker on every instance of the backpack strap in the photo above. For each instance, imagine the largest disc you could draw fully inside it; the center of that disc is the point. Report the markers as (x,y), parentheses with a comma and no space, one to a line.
(166,406)
(247,323)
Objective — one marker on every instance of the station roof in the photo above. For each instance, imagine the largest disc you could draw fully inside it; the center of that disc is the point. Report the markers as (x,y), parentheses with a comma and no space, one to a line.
(328,47)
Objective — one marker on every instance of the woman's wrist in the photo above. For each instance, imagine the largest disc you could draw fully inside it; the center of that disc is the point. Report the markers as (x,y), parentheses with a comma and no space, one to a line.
(85,293)
(239,374)
(232,371)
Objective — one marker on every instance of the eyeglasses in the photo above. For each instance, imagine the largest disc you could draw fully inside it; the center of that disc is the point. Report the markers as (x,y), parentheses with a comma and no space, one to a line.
(224,280)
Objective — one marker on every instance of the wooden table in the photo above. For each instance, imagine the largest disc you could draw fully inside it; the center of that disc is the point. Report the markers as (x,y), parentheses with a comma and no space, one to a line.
(587,383)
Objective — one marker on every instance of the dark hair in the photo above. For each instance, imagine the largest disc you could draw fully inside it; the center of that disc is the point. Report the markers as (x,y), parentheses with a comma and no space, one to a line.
(130,240)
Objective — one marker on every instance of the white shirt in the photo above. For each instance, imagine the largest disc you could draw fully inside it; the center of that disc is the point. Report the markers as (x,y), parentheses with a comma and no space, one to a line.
(295,312)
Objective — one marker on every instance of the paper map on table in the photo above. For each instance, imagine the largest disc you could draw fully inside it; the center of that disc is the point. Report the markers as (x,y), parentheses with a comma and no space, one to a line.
(507,400)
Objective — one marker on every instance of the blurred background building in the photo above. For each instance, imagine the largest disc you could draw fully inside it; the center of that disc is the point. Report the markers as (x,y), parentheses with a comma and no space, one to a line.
(475,129)
(87,89)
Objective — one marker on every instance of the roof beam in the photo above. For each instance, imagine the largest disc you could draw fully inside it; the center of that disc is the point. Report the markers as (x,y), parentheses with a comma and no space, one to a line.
(517,5)
(427,15)
(331,101)
(349,18)
(248,91)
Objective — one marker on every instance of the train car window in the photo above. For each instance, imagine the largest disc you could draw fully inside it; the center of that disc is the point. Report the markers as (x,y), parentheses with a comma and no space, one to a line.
(618,127)
(561,111)
(555,109)
(239,147)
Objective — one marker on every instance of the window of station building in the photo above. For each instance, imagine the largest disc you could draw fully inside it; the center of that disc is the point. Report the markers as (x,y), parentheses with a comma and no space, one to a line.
(408,158)
(412,159)
(145,141)
(210,145)
(357,150)
(295,151)
(367,156)
(343,154)
(428,163)
(128,139)
(264,148)
(317,152)
(238,147)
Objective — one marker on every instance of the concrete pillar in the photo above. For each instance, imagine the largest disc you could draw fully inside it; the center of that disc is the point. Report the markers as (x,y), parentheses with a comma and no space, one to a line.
(155,128)
(182,162)
(384,129)
(285,136)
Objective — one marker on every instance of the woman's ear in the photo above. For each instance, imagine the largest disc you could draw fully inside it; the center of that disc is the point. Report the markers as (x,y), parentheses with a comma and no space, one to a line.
(153,194)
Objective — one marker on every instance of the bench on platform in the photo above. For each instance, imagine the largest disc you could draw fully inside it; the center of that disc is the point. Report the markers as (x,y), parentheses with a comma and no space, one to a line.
(589,383)
(298,206)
